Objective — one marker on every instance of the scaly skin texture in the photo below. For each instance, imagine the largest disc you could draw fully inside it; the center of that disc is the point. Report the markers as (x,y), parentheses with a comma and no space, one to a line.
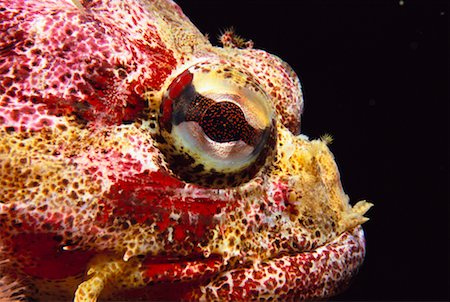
(90,204)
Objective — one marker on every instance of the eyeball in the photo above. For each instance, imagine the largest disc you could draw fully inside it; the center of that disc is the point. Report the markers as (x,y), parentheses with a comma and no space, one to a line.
(217,125)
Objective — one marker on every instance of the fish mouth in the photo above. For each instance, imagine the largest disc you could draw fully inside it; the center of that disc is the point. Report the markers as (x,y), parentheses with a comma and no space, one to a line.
(322,272)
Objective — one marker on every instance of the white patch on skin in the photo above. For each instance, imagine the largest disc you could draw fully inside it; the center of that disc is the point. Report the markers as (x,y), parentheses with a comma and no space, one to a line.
(193,218)
(170,235)
(174,216)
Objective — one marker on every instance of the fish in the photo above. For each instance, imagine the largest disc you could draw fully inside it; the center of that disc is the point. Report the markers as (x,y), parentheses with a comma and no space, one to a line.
(138,161)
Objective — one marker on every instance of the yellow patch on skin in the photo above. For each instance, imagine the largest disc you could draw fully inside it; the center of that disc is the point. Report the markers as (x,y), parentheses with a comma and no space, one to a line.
(105,273)
(315,182)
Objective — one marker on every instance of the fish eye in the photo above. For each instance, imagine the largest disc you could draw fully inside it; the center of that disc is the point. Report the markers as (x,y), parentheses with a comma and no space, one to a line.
(217,125)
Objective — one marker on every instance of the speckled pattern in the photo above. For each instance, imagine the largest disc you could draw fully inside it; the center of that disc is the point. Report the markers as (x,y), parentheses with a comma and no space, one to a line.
(91,202)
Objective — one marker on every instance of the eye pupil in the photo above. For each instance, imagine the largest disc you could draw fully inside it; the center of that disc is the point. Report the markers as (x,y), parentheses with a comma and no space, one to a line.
(197,107)
(221,121)
(225,122)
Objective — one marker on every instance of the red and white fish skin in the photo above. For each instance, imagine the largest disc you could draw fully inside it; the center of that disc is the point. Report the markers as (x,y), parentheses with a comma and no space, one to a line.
(89,204)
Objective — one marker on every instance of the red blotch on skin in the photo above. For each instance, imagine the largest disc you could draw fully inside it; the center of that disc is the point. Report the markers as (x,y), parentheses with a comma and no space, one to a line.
(151,198)
(281,196)
(167,269)
(15,115)
(164,291)
(57,106)
(42,256)
(105,95)
(179,234)
(163,271)
(95,87)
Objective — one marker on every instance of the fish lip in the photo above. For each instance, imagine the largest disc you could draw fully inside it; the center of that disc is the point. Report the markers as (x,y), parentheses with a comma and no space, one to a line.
(176,268)
(310,275)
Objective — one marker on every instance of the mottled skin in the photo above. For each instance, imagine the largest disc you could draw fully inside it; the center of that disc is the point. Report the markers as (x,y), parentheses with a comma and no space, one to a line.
(95,200)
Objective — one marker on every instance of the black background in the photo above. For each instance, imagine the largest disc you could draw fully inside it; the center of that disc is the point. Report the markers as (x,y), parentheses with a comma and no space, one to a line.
(375,76)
